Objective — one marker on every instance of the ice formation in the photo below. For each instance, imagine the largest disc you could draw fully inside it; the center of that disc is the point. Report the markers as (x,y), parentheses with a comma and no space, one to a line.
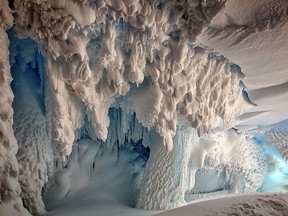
(278,135)
(97,165)
(31,125)
(92,59)
(120,90)
(9,170)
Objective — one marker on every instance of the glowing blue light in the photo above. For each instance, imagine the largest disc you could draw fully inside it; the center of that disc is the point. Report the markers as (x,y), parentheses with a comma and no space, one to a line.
(276,179)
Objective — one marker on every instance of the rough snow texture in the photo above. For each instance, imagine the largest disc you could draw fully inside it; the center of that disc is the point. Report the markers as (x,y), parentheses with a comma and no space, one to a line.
(242,161)
(10,202)
(253,34)
(264,205)
(235,164)
(165,177)
(278,135)
(31,121)
(200,165)
(110,170)
(94,51)
(267,204)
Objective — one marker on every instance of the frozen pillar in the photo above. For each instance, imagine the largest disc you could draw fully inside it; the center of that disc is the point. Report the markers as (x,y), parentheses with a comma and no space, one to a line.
(166,173)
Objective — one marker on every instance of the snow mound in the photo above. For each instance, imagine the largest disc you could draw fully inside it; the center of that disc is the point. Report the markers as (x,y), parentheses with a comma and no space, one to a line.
(270,204)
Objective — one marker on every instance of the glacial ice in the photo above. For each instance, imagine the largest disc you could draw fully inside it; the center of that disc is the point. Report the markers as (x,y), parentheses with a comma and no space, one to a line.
(115,100)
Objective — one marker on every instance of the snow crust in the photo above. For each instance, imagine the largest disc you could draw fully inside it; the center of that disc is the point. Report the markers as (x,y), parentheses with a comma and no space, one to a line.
(269,204)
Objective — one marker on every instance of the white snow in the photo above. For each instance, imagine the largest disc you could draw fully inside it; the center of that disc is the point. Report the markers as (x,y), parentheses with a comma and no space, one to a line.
(9,186)
(254,35)
(270,204)
(119,49)
(143,104)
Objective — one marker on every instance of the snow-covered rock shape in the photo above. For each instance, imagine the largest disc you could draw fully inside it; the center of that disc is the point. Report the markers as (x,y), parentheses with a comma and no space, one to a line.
(96,49)
(10,202)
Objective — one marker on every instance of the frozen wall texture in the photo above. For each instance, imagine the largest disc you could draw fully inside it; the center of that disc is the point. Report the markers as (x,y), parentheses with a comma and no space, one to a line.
(9,171)
(278,134)
(31,120)
(111,170)
(114,79)
(95,50)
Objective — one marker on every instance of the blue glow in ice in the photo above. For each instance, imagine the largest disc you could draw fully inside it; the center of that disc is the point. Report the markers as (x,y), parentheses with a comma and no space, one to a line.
(276,179)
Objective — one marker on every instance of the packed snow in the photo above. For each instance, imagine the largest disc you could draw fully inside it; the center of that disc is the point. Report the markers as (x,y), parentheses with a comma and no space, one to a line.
(269,204)
(137,107)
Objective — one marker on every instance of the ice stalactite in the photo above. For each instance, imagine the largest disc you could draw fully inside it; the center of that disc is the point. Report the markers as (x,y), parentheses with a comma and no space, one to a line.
(97,52)
(10,201)
(92,60)
(31,121)
(109,170)
(236,164)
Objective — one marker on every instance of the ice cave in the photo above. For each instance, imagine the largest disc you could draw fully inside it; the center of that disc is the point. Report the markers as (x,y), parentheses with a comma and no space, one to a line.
(143,107)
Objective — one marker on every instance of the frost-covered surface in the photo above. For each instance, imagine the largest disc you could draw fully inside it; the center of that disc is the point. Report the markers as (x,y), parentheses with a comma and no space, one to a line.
(236,162)
(10,202)
(31,127)
(253,34)
(109,171)
(99,54)
(138,112)
(92,59)
(278,135)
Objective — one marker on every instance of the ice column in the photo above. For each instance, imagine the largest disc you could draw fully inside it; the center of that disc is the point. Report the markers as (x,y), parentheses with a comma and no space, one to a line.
(166,172)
